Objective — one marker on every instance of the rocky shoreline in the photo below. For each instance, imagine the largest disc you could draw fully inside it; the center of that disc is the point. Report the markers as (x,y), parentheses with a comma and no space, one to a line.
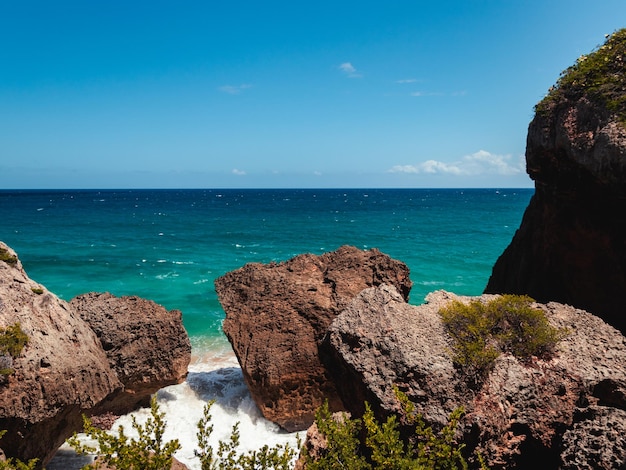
(94,355)
(527,412)
(338,327)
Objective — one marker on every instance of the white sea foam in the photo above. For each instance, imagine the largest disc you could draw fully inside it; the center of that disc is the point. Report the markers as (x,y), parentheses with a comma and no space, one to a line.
(212,375)
(167,276)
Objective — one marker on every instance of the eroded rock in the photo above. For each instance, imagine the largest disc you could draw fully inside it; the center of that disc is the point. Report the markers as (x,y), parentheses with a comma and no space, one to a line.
(61,372)
(525,414)
(69,368)
(570,245)
(277,315)
(146,345)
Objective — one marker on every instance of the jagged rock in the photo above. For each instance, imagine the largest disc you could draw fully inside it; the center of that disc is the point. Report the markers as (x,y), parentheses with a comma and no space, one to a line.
(277,315)
(378,341)
(570,245)
(525,414)
(146,345)
(597,439)
(63,371)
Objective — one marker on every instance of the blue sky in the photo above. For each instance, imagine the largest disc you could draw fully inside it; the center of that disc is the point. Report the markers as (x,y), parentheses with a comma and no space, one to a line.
(114,94)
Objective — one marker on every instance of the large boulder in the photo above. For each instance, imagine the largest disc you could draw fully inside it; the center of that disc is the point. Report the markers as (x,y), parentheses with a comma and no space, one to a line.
(570,245)
(146,345)
(64,372)
(277,316)
(563,412)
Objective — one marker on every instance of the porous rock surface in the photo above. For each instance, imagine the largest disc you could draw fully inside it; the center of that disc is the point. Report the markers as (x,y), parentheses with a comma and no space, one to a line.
(277,315)
(558,413)
(570,245)
(146,345)
(63,371)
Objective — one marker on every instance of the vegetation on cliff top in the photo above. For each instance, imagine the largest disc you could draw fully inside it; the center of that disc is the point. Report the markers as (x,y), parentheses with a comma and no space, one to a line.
(7,257)
(508,323)
(600,76)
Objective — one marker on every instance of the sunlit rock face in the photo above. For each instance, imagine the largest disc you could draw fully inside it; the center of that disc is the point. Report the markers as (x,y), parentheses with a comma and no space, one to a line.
(276,318)
(98,353)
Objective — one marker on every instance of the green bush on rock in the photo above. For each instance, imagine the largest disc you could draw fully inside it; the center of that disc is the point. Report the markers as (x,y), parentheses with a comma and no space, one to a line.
(7,257)
(508,323)
(12,340)
(382,446)
(600,75)
(148,452)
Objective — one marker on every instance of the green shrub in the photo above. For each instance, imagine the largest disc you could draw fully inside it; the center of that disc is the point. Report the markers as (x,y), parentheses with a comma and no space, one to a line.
(148,452)
(342,443)
(226,457)
(600,75)
(12,340)
(16,464)
(382,446)
(7,371)
(37,290)
(507,323)
(7,257)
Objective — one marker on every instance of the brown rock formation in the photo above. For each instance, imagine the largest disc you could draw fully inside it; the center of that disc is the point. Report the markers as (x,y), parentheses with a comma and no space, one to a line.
(277,315)
(566,412)
(146,345)
(378,341)
(64,371)
(61,372)
(570,245)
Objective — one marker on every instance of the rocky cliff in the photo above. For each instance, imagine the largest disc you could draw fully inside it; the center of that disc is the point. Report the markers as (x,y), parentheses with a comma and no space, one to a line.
(570,245)
(278,314)
(68,367)
(568,411)
(303,332)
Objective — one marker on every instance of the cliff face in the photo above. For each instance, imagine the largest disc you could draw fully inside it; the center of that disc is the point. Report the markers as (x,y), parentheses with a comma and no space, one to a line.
(127,350)
(570,245)
(277,316)
(563,412)
(304,332)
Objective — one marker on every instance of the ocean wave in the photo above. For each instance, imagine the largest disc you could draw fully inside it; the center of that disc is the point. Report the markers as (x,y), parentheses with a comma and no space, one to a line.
(215,378)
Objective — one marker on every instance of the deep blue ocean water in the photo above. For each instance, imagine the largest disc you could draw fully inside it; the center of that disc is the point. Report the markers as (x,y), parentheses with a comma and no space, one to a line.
(170,245)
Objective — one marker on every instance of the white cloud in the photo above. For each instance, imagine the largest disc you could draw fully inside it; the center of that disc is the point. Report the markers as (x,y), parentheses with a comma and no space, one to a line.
(478,163)
(349,70)
(426,93)
(238,172)
(234,89)
(407,80)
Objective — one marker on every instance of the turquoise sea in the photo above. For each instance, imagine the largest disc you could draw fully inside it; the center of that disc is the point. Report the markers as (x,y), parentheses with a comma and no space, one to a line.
(170,245)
